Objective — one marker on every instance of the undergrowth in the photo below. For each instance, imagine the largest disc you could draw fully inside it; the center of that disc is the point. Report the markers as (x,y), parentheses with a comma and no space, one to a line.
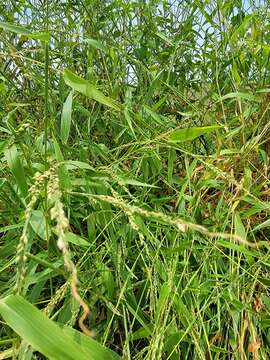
(134,189)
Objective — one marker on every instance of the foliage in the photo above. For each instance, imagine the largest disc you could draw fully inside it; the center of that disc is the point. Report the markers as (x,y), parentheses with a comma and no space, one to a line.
(134,189)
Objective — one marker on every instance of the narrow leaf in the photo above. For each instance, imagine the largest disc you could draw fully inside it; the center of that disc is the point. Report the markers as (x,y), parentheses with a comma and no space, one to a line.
(86,88)
(38,223)
(129,121)
(75,164)
(263,225)
(96,44)
(242,26)
(163,296)
(40,332)
(164,37)
(76,239)
(95,350)
(239,227)
(133,182)
(45,336)
(16,168)
(24,31)
(192,133)
(63,172)
(240,95)
(66,118)
(241,248)
(142,332)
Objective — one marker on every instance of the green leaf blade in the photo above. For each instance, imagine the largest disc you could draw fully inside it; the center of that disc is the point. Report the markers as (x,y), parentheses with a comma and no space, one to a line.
(188,134)
(17,170)
(89,90)
(45,336)
(96,44)
(21,30)
(34,327)
(66,118)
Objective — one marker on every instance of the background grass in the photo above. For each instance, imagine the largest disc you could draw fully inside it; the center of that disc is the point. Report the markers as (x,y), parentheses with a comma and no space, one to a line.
(169,238)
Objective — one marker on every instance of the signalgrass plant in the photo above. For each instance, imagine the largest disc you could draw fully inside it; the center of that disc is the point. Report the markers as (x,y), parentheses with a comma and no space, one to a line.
(134,189)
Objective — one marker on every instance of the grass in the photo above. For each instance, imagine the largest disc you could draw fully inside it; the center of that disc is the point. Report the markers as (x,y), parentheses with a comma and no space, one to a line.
(134,189)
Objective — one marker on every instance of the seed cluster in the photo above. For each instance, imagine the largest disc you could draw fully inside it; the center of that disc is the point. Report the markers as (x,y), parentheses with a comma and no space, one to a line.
(57,215)
(21,258)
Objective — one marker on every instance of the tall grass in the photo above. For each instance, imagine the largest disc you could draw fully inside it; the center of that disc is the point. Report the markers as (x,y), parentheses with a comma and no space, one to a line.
(134,189)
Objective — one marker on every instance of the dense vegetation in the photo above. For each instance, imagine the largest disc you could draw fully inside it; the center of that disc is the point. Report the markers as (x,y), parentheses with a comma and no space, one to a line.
(134,189)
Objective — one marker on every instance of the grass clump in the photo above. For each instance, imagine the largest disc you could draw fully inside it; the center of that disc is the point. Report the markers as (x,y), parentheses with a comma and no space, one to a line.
(134,189)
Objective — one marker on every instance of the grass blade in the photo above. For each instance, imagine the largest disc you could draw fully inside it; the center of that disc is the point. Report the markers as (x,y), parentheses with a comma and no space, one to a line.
(96,44)
(95,350)
(34,327)
(24,31)
(66,118)
(192,133)
(46,336)
(16,168)
(86,88)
